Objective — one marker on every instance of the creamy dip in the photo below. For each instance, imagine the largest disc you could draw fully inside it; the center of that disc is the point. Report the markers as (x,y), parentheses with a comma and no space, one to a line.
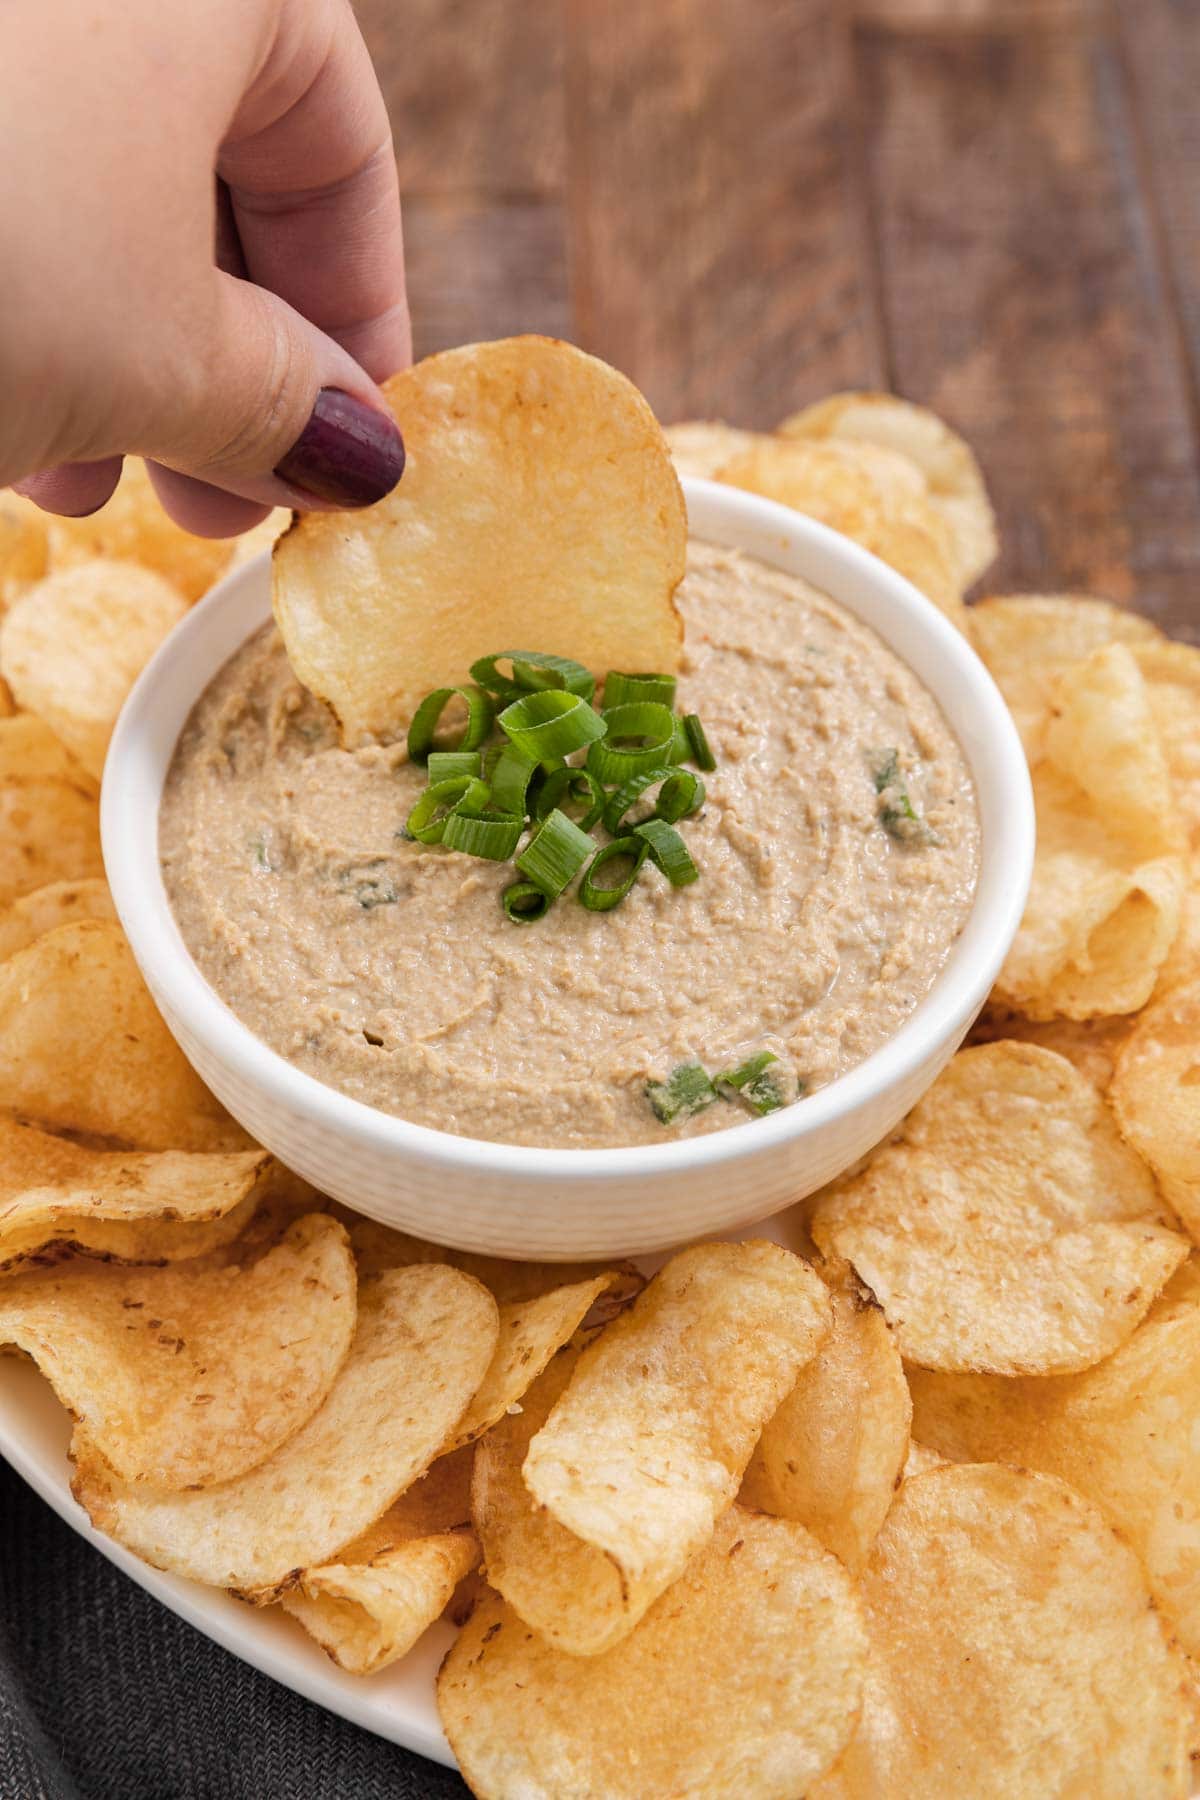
(388,969)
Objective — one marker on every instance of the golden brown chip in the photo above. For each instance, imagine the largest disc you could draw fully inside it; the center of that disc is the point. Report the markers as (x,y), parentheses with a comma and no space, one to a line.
(133,527)
(73,645)
(121,1205)
(947,463)
(1090,1045)
(1105,903)
(423,1342)
(49,818)
(539,508)
(369,1607)
(1005,1226)
(1182,964)
(22,544)
(703,446)
(180,1378)
(83,1048)
(1028,640)
(1014,1652)
(921,1458)
(58,903)
(1172,673)
(646,1447)
(1123,1433)
(744,1679)
(1155,1094)
(840,485)
(831,1455)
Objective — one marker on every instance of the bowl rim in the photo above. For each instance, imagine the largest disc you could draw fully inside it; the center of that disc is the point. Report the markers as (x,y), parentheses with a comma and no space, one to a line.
(129,835)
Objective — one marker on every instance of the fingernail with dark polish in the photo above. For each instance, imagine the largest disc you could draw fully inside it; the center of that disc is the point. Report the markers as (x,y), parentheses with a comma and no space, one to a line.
(349,453)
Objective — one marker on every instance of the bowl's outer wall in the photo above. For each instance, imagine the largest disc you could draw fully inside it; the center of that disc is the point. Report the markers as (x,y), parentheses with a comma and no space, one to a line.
(569,1205)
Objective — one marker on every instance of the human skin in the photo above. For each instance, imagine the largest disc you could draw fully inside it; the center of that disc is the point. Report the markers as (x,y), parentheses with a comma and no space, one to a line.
(200,244)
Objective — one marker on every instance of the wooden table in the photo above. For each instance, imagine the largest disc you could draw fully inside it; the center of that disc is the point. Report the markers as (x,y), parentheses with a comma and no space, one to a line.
(992,206)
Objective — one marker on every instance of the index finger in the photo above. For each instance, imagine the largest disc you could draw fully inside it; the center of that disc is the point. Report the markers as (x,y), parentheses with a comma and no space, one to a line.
(312,181)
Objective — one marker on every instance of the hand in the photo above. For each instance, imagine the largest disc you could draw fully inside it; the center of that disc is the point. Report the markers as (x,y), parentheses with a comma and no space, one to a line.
(201,254)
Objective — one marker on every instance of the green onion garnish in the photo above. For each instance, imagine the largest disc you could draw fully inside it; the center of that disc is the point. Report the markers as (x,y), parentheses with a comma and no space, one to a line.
(427,717)
(681,793)
(668,850)
(751,1081)
(510,776)
(532,672)
(685,1092)
(555,854)
(488,833)
(523,902)
(571,784)
(897,814)
(548,726)
(640,736)
(427,820)
(698,744)
(602,899)
(444,765)
(621,689)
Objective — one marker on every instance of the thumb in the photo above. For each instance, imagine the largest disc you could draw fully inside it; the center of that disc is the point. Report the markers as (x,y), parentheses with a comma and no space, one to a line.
(268,407)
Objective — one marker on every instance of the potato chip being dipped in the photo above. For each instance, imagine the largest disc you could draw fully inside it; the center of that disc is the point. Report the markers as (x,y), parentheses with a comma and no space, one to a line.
(423,1342)
(539,507)
(1013,1649)
(743,1679)
(181,1378)
(1005,1226)
(369,1607)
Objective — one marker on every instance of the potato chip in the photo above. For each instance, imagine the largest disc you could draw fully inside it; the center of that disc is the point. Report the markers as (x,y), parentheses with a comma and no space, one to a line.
(1123,1433)
(1090,1045)
(1028,640)
(1172,673)
(703,446)
(1005,1226)
(538,507)
(73,645)
(743,1680)
(23,529)
(132,527)
(158,1207)
(1155,1094)
(8,705)
(841,486)
(921,1458)
(951,472)
(369,1607)
(831,1455)
(83,1048)
(183,1378)
(58,903)
(1182,963)
(49,817)
(1106,899)
(423,1342)
(1013,1648)
(646,1447)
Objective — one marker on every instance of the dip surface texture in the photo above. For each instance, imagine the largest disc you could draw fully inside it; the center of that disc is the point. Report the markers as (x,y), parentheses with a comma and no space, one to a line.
(387,969)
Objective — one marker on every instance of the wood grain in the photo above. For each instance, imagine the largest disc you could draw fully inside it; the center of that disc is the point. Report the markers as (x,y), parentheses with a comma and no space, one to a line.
(485,269)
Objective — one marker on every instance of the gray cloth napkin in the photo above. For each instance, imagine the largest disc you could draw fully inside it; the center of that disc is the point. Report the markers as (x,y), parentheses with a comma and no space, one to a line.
(105,1695)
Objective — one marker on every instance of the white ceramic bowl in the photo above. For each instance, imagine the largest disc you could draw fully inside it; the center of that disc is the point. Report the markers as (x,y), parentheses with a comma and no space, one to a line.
(560,1204)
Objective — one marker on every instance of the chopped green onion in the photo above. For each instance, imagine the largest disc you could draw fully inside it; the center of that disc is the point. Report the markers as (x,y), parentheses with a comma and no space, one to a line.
(685,1092)
(681,748)
(602,899)
(897,814)
(524,901)
(571,784)
(427,820)
(532,672)
(550,725)
(620,689)
(443,765)
(487,833)
(640,736)
(681,793)
(669,852)
(698,744)
(759,1086)
(555,854)
(510,778)
(428,716)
